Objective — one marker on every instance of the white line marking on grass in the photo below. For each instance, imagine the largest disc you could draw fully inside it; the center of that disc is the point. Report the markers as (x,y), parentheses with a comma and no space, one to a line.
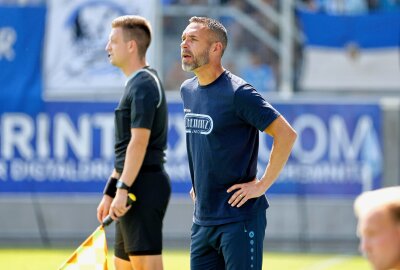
(328,263)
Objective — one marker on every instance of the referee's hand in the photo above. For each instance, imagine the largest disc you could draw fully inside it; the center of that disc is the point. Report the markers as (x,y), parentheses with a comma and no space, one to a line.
(119,205)
(103,208)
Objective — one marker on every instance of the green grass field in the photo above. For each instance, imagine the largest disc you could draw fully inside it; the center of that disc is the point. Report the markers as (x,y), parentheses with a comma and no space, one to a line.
(43,259)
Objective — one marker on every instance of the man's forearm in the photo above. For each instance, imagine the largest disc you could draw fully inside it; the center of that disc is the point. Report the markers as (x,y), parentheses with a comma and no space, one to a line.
(280,153)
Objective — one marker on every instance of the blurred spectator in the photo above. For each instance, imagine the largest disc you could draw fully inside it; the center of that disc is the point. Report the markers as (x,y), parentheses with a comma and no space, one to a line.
(22,2)
(389,4)
(378,215)
(385,5)
(175,76)
(256,68)
(185,2)
(170,2)
(311,5)
(259,74)
(348,7)
(344,7)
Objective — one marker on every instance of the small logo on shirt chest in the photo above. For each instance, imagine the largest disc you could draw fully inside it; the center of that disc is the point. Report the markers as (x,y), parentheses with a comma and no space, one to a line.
(198,123)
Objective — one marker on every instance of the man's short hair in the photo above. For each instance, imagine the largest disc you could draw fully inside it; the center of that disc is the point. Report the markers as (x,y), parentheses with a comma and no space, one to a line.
(384,198)
(218,30)
(135,28)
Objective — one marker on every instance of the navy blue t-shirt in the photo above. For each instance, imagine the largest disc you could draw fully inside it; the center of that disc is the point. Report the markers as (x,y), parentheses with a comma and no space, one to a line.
(222,122)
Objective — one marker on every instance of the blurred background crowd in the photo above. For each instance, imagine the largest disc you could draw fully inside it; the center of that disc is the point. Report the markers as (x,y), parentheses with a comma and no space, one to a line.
(246,56)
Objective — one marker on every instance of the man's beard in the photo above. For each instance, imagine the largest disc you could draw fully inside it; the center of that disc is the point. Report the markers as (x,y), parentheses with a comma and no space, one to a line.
(199,61)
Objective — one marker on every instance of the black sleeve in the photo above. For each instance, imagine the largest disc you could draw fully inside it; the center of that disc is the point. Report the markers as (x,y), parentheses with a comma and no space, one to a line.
(145,98)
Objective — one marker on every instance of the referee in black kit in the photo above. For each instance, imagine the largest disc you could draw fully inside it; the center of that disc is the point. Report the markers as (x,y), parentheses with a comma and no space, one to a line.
(141,126)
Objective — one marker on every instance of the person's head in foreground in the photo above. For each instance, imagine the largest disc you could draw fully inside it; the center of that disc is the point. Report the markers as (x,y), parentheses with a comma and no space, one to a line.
(378,214)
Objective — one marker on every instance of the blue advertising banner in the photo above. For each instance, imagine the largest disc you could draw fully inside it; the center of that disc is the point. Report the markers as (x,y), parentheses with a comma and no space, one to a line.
(69,148)
(338,150)
(21,42)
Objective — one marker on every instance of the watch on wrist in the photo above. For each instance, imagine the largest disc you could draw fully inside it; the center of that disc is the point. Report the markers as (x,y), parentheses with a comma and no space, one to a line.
(122,185)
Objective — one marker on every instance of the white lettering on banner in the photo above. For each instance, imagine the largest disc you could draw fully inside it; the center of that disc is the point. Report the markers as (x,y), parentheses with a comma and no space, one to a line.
(8,37)
(42,133)
(3,170)
(178,172)
(323,172)
(367,175)
(56,170)
(310,121)
(177,165)
(335,156)
(60,148)
(178,152)
(65,134)
(105,121)
(17,132)
(340,144)
(340,140)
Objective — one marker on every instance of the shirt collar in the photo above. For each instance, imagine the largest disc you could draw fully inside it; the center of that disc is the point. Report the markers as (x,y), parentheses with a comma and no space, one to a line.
(130,77)
(133,75)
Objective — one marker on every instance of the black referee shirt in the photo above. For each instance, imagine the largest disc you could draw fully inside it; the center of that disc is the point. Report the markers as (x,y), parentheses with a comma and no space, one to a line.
(142,105)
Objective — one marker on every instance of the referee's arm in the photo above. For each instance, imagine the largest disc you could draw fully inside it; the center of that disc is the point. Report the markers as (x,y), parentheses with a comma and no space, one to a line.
(134,157)
(135,154)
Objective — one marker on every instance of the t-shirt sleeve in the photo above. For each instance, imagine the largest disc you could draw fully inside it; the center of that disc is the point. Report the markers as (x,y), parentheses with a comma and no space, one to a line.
(253,108)
(144,105)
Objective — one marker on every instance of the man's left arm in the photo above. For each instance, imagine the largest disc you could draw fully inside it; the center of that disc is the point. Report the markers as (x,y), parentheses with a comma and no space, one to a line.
(284,137)
(134,157)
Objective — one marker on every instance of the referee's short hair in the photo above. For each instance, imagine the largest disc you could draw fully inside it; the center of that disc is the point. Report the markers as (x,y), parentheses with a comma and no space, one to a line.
(135,28)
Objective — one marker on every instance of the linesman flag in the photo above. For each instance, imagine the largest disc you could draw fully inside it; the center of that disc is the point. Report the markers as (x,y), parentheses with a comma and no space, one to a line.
(92,253)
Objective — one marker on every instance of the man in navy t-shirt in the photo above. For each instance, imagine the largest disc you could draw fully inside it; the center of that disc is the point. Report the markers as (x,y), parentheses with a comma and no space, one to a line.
(223,116)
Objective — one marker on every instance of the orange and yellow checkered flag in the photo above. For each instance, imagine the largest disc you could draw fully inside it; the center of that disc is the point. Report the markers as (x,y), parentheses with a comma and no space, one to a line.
(91,254)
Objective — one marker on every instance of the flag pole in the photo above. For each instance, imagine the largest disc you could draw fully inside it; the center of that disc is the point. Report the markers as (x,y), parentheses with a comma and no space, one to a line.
(98,236)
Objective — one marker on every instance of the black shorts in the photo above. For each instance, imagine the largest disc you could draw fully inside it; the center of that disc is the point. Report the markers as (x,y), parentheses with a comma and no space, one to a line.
(139,231)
